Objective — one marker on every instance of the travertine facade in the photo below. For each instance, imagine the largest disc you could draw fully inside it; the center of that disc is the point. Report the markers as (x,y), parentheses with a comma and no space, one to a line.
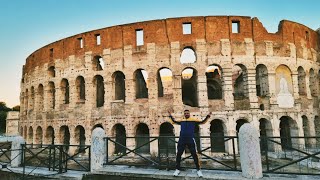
(239,71)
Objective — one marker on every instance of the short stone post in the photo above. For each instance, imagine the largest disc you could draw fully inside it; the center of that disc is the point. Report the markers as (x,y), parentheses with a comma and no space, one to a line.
(16,152)
(250,156)
(98,149)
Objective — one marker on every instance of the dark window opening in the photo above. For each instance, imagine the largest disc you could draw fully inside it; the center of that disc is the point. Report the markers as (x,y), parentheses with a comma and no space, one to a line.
(50,135)
(52,71)
(262,82)
(142,137)
(235,26)
(80,138)
(189,87)
(80,40)
(81,88)
(120,139)
(301,81)
(65,91)
(99,91)
(98,63)
(98,39)
(187,28)
(51,53)
(167,141)
(139,37)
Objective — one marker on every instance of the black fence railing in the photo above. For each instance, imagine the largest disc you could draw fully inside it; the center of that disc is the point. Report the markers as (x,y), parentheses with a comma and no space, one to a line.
(55,157)
(290,155)
(160,152)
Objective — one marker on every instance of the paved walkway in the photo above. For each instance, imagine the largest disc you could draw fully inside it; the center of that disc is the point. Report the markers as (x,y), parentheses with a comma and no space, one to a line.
(134,173)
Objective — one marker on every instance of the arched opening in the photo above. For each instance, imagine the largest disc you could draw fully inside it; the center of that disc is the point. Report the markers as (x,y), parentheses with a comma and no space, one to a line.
(188,55)
(80,137)
(312,82)
(65,136)
(50,135)
(189,87)
(99,87)
(51,95)
(120,135)
(31,105)
(265,131)
(96,126)
(317,129)
(40,97)
(284,87)
(142,138)
(30,135)
(164,81)
(240,122)
(240,87)
(97,63)
(306,131)
(81,89)
(302,81)
(217,136)
(52,71)
(141,86)
(288,128)
(39,135)
(262,82)
(119,86)
(64,87)
(214,83)
(167,140)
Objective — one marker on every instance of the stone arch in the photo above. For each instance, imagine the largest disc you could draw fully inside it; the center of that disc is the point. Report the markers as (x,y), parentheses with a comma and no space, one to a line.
(167,140)
(317,129)
(217,132)
(81,89)
(64,136)
(240,122)
(51,95)
(288,128)
(214,82)
(51,71)
(141,85)
(96,126)
(240,87)
(80,138)
(32,99)
(119,85)
(49,137)
(312,82)
(65,91)
(302,81)
(266,130)
(284,87)
(119,133)
(188,55)
(30,135)
(262,81)
(40,97)
(189,83)
(39,136)
(142,137)
(97,63)
(98,84)
(306,131)
(165,82)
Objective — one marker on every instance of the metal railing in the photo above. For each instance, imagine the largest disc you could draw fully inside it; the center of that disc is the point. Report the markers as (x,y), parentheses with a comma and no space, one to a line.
(55,157)
(160,152)
(290,156)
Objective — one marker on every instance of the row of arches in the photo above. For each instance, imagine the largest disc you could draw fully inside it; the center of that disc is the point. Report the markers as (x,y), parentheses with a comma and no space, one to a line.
(215,82)
(218,129)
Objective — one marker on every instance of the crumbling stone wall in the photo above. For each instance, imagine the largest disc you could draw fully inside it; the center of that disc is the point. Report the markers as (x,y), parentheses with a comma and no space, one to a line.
(75,84)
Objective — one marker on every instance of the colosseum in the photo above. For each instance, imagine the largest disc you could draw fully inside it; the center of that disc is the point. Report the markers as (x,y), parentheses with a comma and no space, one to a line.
(125,78)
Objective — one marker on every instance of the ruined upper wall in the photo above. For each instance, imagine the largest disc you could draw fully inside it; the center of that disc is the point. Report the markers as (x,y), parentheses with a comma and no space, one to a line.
(163,32)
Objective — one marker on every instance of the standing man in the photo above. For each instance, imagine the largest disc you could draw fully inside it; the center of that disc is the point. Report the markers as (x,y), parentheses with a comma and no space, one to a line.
(187,139)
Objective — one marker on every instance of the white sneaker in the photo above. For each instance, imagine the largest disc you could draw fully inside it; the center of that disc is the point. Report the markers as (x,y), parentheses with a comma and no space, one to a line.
(176,173)
(199,173)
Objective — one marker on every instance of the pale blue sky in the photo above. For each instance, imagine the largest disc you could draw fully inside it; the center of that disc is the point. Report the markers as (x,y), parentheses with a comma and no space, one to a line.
(27,25)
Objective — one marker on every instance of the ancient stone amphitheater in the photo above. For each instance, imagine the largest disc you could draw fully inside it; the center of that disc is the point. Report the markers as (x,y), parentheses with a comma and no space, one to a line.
(125,78)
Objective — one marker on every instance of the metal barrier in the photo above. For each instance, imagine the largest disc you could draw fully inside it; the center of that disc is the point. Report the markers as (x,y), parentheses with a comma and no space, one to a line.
(160,152)
(55,157)
(289,156)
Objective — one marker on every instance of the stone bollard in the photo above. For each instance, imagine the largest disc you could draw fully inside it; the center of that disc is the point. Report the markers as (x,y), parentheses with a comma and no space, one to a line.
(16,152)
(98,149)
(250,156)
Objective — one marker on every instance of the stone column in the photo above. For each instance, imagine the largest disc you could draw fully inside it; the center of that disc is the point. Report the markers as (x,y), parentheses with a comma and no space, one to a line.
(251,80)
(272,90)
(16,151)
(250,156)
(202,92)
(98,149)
